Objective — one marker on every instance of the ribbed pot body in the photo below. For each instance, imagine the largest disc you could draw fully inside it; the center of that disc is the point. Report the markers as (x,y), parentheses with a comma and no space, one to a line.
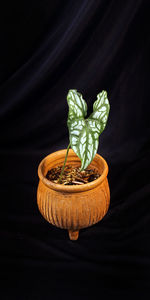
(72,207)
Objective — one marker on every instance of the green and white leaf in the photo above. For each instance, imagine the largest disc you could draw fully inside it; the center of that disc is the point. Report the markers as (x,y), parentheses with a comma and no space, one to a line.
(84,133)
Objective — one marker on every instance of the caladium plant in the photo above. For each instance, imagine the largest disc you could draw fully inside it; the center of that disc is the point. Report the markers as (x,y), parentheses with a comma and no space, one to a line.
(84,132)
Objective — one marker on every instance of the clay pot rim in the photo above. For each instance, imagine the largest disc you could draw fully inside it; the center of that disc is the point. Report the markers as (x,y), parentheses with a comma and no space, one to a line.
(73,188)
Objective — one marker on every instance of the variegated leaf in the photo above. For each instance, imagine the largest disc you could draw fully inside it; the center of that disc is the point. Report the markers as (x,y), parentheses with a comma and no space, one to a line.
(84,133)
(77,105)
(100,113)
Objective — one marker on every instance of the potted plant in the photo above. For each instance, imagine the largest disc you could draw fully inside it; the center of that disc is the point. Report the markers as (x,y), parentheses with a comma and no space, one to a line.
(77,204)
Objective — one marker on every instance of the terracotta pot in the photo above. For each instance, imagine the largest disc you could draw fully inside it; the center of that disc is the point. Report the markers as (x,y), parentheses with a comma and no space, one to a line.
(77,206)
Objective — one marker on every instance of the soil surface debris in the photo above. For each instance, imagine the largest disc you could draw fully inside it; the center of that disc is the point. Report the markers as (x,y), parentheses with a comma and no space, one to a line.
(72,175)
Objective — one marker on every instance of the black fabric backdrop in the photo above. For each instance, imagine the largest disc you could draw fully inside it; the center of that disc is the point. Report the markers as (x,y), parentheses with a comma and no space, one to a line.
(47,48)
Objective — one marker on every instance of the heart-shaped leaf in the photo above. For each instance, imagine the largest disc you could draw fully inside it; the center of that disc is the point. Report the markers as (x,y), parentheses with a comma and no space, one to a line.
(84,133)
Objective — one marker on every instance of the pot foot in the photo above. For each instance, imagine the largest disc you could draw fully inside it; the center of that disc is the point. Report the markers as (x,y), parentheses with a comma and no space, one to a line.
(73,235)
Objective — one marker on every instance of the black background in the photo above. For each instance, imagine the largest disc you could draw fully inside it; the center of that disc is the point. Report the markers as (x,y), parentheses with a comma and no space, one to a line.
(47,48)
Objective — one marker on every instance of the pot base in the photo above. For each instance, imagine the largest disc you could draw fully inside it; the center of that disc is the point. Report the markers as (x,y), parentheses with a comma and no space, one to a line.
(73,235)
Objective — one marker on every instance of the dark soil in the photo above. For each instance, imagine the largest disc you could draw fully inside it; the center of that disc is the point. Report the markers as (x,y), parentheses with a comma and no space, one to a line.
(72,175)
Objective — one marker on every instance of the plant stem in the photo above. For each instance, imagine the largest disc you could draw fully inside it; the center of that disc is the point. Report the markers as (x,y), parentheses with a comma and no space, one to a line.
(62,171)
